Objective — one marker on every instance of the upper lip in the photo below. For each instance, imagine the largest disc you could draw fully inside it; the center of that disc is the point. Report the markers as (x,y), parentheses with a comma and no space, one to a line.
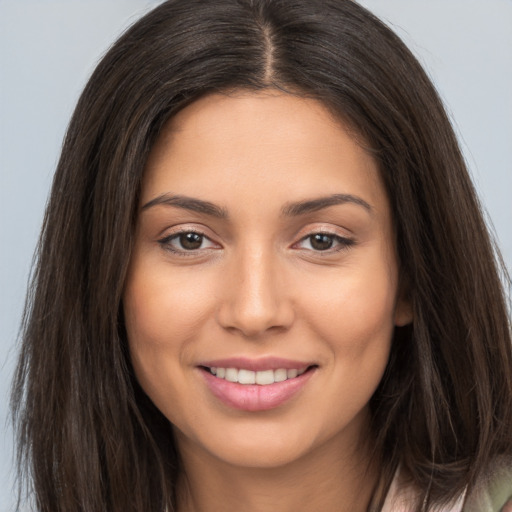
(256,365)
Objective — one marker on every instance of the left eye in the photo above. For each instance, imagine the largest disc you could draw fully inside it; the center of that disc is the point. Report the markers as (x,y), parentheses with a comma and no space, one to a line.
(186,241)
(324,242)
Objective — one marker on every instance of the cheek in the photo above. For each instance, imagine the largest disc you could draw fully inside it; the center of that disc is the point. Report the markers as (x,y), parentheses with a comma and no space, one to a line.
(164,313)
(357,325)
(354,309)
(353,315)
(162,307)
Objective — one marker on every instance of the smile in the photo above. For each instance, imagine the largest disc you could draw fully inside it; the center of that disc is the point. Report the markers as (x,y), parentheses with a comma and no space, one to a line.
(261,378)
(270,384)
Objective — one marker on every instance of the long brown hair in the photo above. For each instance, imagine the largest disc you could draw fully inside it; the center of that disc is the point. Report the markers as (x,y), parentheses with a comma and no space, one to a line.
(89,438)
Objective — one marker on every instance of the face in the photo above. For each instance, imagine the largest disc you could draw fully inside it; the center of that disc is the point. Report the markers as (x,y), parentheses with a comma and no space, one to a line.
(263,288)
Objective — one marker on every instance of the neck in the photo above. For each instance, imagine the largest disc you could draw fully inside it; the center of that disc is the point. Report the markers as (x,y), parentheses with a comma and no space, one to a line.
(323,480)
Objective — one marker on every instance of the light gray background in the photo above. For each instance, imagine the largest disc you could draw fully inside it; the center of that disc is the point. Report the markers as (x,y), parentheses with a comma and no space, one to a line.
(48,48)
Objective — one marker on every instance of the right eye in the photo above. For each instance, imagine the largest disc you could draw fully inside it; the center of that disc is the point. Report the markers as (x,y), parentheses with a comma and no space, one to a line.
(186,242)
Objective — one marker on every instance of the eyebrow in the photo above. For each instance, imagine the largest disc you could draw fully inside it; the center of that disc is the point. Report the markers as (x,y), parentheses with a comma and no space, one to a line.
(313,205)
(290,209)
(188,203)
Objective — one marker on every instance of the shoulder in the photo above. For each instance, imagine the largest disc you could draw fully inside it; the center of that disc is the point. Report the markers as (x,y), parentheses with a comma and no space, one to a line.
(493,490)
(402,497)
(489,495)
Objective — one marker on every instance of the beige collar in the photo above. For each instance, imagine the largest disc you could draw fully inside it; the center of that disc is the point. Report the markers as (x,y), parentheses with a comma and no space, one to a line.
(402,498)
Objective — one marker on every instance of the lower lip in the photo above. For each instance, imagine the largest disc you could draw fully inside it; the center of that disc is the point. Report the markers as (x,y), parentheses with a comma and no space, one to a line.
(253,397)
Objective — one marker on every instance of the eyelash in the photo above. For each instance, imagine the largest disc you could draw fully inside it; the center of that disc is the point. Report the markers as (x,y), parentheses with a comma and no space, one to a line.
(343,243)
(166,242)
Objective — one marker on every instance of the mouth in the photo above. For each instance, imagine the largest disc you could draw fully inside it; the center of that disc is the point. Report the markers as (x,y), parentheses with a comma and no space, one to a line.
(257,389)
(261,378)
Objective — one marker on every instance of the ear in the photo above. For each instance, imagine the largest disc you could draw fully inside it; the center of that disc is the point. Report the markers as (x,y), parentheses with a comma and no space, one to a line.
(403,308)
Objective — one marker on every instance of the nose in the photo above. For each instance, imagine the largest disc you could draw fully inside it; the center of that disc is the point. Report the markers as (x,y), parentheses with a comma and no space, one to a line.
(255,300)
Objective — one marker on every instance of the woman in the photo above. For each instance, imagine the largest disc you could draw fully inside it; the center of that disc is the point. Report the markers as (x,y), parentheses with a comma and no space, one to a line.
(264,279)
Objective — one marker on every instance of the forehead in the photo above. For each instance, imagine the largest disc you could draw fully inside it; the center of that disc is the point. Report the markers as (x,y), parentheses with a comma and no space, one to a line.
(266,142)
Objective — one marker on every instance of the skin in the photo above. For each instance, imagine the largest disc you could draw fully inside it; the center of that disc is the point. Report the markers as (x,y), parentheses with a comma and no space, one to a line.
(257,286)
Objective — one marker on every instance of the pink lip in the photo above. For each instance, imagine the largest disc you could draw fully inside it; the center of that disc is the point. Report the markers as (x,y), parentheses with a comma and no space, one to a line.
(256,365)
(253,397)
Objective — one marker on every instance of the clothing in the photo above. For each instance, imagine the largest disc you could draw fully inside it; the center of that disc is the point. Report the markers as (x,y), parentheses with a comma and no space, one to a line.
(488,496)
(493,491)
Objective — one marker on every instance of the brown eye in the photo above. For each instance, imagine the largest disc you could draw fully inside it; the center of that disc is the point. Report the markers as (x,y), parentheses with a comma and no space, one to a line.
(321,242)
(187,243)
(190,241)
(324,242)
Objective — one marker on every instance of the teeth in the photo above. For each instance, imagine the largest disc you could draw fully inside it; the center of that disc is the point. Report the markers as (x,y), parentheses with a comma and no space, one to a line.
(265,377)
(231,374)
(246,377)
(262,377)
(280,375)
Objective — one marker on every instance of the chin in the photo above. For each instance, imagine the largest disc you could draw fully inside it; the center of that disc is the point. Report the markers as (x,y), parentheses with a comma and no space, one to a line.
(272,444)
